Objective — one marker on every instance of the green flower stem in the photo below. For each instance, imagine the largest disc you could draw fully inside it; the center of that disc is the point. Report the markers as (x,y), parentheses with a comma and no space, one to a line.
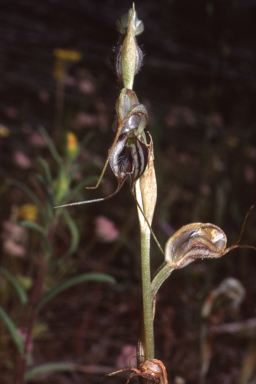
(146,280)
(161,275)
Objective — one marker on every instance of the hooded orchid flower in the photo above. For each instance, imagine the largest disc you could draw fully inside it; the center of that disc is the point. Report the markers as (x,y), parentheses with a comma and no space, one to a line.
(129,153)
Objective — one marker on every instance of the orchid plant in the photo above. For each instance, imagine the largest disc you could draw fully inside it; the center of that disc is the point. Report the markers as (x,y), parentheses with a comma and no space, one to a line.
(131,155)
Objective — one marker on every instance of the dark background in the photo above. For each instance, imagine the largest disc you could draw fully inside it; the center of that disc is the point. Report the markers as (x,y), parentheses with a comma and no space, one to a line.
(199,85)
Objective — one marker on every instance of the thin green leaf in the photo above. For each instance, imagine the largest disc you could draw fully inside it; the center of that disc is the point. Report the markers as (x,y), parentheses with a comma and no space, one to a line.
(47,170)
(50,145)
(84,183)
(87,138)
(74,234)
(102,277)
(74,170)
(49,368)
(36,227)
(12,330)
(48,197)
(27,190)
(16,285)
(40,230)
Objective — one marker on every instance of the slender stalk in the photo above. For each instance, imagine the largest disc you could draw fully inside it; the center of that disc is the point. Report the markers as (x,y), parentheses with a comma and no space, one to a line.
(60,95)
(21,365)
(161,275)
(146,280)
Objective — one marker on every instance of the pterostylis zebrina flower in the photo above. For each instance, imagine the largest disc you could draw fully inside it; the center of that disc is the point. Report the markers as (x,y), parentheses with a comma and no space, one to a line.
(129,153)
(152,370)
(131,120)
(191,242)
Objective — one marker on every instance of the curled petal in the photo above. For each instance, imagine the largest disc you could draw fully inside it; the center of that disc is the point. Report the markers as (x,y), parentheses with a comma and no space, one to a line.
(120,160)
(132,123)
(190,242)
(194,241)
(141,112)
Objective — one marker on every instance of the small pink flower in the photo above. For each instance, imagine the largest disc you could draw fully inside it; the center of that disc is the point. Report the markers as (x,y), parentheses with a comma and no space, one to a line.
(251,152)
(86,86)
(70,80)
(44,96)
(206,189)
(15,231)
(13,237)
(127,353)
(105,229)
(13,249)
(217,119)
(37,140)
(23,336)
(21,160)
(180,115)
(11,112)
(85,120)
(249,174)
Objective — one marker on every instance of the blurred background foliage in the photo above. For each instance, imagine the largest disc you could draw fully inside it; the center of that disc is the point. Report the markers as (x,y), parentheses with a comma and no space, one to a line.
(199,85)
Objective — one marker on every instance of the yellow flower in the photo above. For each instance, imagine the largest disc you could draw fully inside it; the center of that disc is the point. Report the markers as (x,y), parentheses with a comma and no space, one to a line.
(25,281)
(72,146)
(28,212)
(72,142)
(4,131)
(64,57)
(67,55)
(59,69)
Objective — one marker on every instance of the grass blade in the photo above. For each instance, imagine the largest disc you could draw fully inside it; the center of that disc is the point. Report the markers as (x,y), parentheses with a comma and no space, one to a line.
(47,195)
(47,170)
(87,138)
(40,230)
(16,285)
(27,190)
(102,277)
(83,184)
(36,227)
(48,368)
(50,145)
(74,234)
(12,330)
